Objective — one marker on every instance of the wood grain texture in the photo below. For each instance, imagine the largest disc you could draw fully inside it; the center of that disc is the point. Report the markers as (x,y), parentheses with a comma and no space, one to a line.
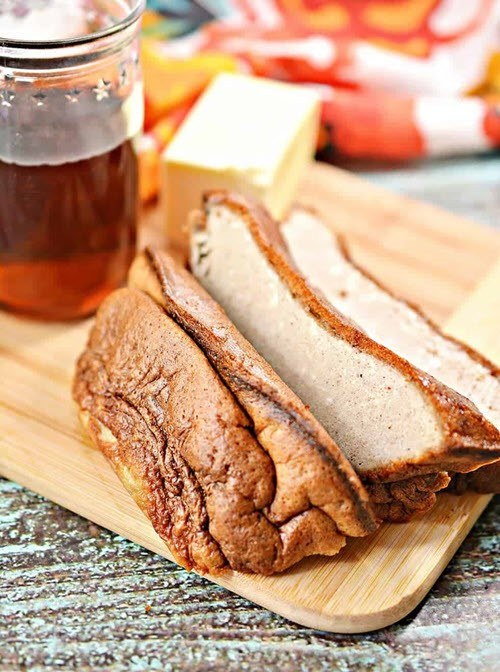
(39,405)
(481,309)
(74,596)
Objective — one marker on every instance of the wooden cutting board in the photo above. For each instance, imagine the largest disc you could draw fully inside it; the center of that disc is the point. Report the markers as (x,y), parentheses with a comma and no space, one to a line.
(425,254)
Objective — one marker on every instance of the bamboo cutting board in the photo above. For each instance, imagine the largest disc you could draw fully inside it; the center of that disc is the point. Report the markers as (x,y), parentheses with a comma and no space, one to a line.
(425,254)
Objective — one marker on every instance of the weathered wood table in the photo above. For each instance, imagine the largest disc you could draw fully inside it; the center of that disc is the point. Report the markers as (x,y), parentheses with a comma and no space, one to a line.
(74,596)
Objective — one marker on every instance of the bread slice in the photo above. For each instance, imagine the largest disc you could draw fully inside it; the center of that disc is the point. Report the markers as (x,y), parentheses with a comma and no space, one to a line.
(392,420)
(186,450)
(323,260)
(308,467)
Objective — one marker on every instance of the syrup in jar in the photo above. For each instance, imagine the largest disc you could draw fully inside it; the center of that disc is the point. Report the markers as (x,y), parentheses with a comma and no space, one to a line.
(70,108)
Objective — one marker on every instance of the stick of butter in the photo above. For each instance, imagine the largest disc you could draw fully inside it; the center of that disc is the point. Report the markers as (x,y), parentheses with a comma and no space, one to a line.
(247,134)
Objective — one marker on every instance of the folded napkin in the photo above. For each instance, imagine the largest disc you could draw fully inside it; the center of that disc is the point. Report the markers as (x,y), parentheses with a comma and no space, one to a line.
(399,80)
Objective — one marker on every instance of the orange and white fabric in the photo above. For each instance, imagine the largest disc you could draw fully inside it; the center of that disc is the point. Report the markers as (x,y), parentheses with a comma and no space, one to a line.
(400,79)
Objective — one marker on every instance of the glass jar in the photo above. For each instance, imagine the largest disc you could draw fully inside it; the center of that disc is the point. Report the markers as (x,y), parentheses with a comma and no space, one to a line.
(70,108)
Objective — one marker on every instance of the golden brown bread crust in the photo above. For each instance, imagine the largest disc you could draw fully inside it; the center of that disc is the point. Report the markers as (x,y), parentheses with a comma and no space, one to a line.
(393,505)
(399,501)
(183,446)
(469,440)
(303,453)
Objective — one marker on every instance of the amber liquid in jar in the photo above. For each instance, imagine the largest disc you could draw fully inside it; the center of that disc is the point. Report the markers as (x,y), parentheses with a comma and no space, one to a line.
(69,188)
(67,232)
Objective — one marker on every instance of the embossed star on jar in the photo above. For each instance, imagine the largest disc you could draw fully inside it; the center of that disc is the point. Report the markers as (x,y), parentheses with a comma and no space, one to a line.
(102,89)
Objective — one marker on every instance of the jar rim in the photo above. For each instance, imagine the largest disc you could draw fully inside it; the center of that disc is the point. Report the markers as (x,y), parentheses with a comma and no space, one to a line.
(133,16)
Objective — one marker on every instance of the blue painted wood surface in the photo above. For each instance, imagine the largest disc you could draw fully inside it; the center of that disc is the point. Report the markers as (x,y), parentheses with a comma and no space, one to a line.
(76,597)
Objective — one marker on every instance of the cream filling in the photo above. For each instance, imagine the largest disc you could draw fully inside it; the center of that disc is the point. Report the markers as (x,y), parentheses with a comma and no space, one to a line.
(370,409)
(384,318)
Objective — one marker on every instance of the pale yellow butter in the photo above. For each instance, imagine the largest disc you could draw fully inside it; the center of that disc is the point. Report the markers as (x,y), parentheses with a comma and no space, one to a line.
(249,134)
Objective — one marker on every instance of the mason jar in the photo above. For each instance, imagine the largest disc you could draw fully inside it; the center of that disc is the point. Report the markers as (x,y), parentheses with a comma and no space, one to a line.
(71,105)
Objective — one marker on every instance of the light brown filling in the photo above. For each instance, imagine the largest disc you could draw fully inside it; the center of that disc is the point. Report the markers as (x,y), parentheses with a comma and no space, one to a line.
(385,318)
(370,409)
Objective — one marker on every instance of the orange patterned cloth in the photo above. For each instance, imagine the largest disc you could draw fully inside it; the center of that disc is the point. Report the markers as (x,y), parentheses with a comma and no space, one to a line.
(399,79)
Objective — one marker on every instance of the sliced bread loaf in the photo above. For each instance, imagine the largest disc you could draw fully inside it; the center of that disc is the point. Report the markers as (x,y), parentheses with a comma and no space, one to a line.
(309,468)
(392,420)
(323,260)
(184,447)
